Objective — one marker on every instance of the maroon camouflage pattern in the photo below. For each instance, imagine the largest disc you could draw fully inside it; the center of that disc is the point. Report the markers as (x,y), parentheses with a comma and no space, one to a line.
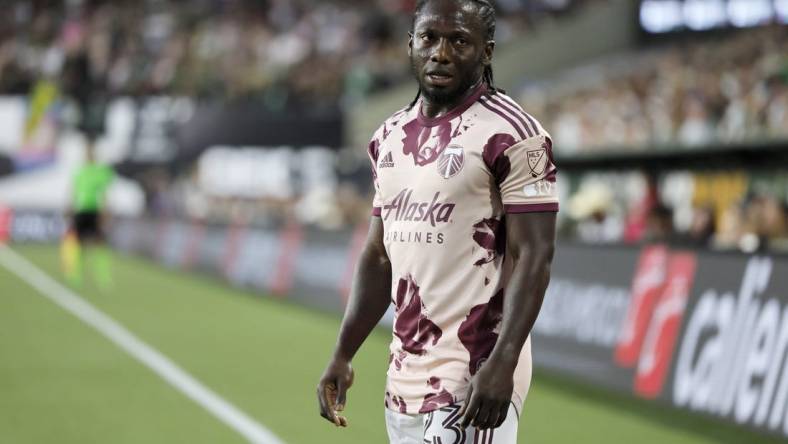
(412,327)
(434,401)
(494,157)
(374,151)
(416,137)
(397,402)
(490,234)
(397,360)
(478,332)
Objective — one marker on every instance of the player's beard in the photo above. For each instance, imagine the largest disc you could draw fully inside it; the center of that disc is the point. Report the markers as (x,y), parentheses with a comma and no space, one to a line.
(443,96)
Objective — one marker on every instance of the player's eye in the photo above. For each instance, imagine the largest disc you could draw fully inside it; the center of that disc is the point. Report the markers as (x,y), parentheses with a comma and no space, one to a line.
(426,37)
(460,41)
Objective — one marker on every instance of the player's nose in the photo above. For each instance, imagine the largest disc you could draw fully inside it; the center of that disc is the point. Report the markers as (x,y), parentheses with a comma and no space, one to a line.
(441,52)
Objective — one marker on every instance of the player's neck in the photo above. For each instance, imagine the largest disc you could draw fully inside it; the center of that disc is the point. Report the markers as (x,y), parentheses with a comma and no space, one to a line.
(433,110)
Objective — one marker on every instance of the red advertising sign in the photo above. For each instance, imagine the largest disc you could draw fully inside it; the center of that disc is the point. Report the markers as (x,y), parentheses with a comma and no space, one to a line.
(6,216)
(647,286)
(659,343)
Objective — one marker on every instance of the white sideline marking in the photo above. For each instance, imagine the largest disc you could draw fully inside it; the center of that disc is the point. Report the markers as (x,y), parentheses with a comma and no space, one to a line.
(153,359)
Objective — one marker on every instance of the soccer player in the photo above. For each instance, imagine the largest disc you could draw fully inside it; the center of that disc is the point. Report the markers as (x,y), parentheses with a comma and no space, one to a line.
(90,185)
(461,241)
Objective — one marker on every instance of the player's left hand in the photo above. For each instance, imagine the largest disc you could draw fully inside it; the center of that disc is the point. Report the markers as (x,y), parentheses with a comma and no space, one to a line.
(332,391)
(489,395)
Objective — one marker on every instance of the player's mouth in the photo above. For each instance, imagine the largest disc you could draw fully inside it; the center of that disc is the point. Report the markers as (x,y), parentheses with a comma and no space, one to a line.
(439,78)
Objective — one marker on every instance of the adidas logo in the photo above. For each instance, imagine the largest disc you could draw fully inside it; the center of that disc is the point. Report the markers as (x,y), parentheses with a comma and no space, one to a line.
(387,161)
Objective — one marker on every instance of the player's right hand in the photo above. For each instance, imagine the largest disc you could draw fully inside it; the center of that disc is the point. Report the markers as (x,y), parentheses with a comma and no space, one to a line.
(332,390)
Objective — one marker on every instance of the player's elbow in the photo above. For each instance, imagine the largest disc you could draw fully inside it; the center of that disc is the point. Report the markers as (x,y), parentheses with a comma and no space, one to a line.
(547,251)
(535,251)
(374,257)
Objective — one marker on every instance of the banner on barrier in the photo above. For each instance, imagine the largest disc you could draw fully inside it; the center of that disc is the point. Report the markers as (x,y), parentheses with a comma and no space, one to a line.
(31,226)
(702,331)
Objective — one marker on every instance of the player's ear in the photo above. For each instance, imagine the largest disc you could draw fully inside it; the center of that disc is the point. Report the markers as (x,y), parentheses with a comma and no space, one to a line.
(410,44)
(489,49)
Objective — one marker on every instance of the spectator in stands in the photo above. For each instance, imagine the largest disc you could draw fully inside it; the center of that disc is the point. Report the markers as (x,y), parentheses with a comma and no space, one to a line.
(280,51)
(659,225)
(766,219)
(702,228)
(592,209)
(699,93)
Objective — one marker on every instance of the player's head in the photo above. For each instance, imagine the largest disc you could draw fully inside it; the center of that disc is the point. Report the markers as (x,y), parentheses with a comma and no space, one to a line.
(451,47)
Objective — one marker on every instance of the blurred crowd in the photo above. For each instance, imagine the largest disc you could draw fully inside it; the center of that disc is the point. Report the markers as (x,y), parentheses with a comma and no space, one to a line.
(316,187)
(279,51)
(699,92)
(695,92)
(723,210)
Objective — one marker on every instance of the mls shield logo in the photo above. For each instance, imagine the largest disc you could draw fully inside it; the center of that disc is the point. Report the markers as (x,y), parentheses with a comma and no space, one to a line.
(537,161)
(451,161)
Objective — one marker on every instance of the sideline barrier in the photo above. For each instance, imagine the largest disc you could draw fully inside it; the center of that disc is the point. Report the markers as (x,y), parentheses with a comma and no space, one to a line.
(6,216)
(30,226)
(701,331)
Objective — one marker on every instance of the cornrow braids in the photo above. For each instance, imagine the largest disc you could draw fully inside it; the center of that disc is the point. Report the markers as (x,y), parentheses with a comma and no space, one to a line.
(487,14)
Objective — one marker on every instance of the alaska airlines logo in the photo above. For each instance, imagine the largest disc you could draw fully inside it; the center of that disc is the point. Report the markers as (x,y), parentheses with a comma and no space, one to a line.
(402,209)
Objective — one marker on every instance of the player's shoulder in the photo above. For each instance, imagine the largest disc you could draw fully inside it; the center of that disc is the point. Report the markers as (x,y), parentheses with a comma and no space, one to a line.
(383,131)
(393,121)
(503,115)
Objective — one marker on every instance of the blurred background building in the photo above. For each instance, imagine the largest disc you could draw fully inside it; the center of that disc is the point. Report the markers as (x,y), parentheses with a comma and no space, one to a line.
(200,96)
(239,130)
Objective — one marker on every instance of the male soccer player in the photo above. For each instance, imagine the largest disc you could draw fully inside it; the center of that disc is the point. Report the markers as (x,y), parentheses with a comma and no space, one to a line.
(461,241)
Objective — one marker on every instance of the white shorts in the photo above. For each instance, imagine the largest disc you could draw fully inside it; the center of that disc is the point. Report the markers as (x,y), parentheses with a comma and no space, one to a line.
(442,427)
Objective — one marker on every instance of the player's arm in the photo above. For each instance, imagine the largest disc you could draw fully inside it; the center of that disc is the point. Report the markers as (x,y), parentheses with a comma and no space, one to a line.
(370,297)
(530,239)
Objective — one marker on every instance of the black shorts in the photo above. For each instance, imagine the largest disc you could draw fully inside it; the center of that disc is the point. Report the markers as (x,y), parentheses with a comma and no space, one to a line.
(86,225)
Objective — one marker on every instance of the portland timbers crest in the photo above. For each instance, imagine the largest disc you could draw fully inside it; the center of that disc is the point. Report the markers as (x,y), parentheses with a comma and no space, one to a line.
(451,161)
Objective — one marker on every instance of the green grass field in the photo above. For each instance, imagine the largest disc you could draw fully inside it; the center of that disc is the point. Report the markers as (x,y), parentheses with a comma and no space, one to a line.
(62,382)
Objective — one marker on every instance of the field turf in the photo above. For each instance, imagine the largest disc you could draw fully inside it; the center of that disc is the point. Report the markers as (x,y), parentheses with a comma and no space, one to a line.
(62,382)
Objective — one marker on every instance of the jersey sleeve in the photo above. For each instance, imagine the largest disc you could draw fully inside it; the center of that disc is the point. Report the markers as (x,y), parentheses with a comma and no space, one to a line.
(373,151)
(526,176)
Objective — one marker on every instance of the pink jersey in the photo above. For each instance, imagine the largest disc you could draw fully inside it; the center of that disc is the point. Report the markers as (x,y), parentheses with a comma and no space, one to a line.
(443,187)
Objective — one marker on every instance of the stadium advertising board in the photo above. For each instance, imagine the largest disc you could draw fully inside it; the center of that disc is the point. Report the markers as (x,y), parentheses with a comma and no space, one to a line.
(250,125)
(707,332)
(731,359)
(5,224)
(30,226)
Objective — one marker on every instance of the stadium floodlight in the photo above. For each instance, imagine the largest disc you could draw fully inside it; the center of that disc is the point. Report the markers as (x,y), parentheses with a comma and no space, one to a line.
(701,15)
(748,13)
(659,16)
(781,8)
